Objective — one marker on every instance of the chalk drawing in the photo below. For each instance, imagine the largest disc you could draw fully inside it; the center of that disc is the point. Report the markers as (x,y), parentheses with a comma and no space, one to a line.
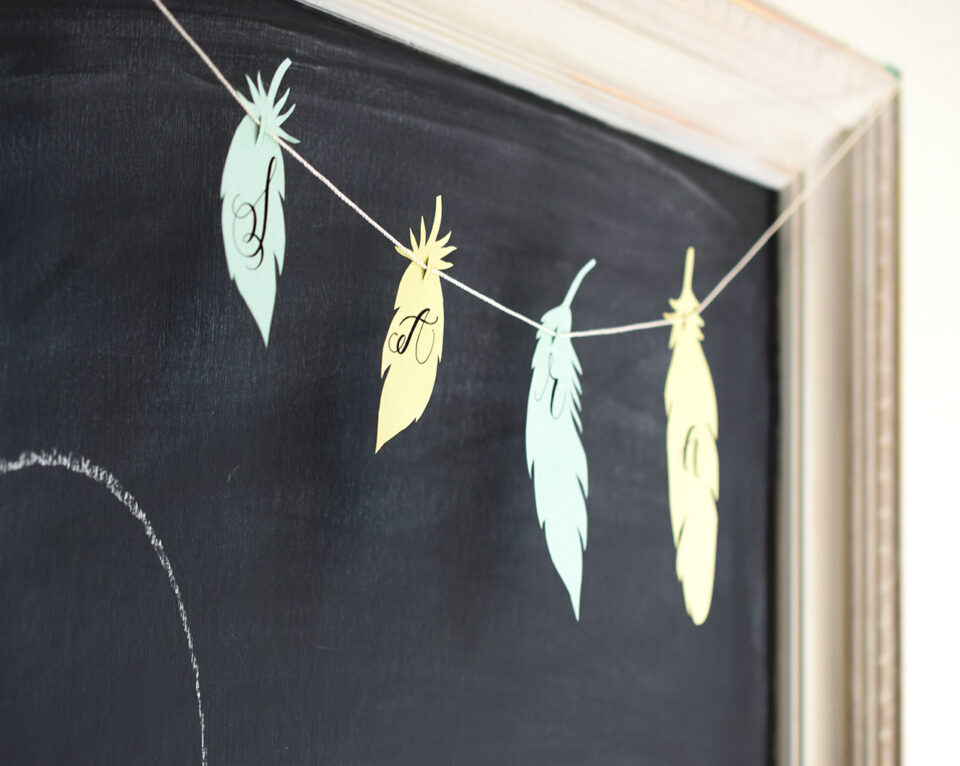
(80,465)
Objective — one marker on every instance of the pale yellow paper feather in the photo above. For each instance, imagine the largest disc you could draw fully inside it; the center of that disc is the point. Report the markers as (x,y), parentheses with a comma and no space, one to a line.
(409,375)
(692,462)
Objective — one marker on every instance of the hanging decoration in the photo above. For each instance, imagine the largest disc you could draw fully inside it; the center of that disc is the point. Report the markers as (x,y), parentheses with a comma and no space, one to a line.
(414,343)
(555,458)
(692,463)
(253,191)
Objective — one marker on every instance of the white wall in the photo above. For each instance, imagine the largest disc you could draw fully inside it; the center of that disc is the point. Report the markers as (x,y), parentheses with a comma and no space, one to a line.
(922,38)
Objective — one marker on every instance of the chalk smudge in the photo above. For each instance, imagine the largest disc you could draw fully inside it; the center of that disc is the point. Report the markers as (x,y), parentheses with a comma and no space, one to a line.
(83,467)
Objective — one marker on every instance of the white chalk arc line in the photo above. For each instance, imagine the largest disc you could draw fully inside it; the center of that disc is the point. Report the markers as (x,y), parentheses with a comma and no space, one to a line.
(83,467)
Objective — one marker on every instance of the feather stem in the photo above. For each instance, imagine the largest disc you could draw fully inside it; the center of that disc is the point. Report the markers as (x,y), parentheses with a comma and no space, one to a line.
(438,211)
(575,285)
(688,274)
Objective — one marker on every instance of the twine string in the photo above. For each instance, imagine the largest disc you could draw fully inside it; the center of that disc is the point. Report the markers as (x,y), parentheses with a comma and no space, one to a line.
(785,216)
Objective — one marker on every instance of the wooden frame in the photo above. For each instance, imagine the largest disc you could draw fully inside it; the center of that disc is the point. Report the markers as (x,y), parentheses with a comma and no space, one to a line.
(744,88)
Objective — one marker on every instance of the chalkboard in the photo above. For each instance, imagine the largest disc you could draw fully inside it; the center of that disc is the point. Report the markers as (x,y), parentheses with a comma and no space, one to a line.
(346,607)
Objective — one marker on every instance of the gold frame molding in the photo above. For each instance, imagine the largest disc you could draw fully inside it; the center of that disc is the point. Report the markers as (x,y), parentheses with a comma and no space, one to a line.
(838,573)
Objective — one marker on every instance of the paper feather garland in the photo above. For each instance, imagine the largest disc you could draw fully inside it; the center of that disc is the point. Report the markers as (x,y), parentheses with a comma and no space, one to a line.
(555,458)
(692,462)
(414,343)
(252,190)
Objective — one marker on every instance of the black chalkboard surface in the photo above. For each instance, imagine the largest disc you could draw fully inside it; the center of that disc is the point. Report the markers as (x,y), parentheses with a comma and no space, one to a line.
(345,607)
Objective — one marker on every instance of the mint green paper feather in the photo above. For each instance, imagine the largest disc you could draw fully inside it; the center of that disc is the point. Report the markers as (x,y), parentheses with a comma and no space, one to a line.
(555,458)
(253,190)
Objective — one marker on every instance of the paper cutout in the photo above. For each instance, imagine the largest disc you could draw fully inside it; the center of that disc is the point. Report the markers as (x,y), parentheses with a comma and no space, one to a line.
(252,190)
(555,458)
(414,343)
(693,467)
